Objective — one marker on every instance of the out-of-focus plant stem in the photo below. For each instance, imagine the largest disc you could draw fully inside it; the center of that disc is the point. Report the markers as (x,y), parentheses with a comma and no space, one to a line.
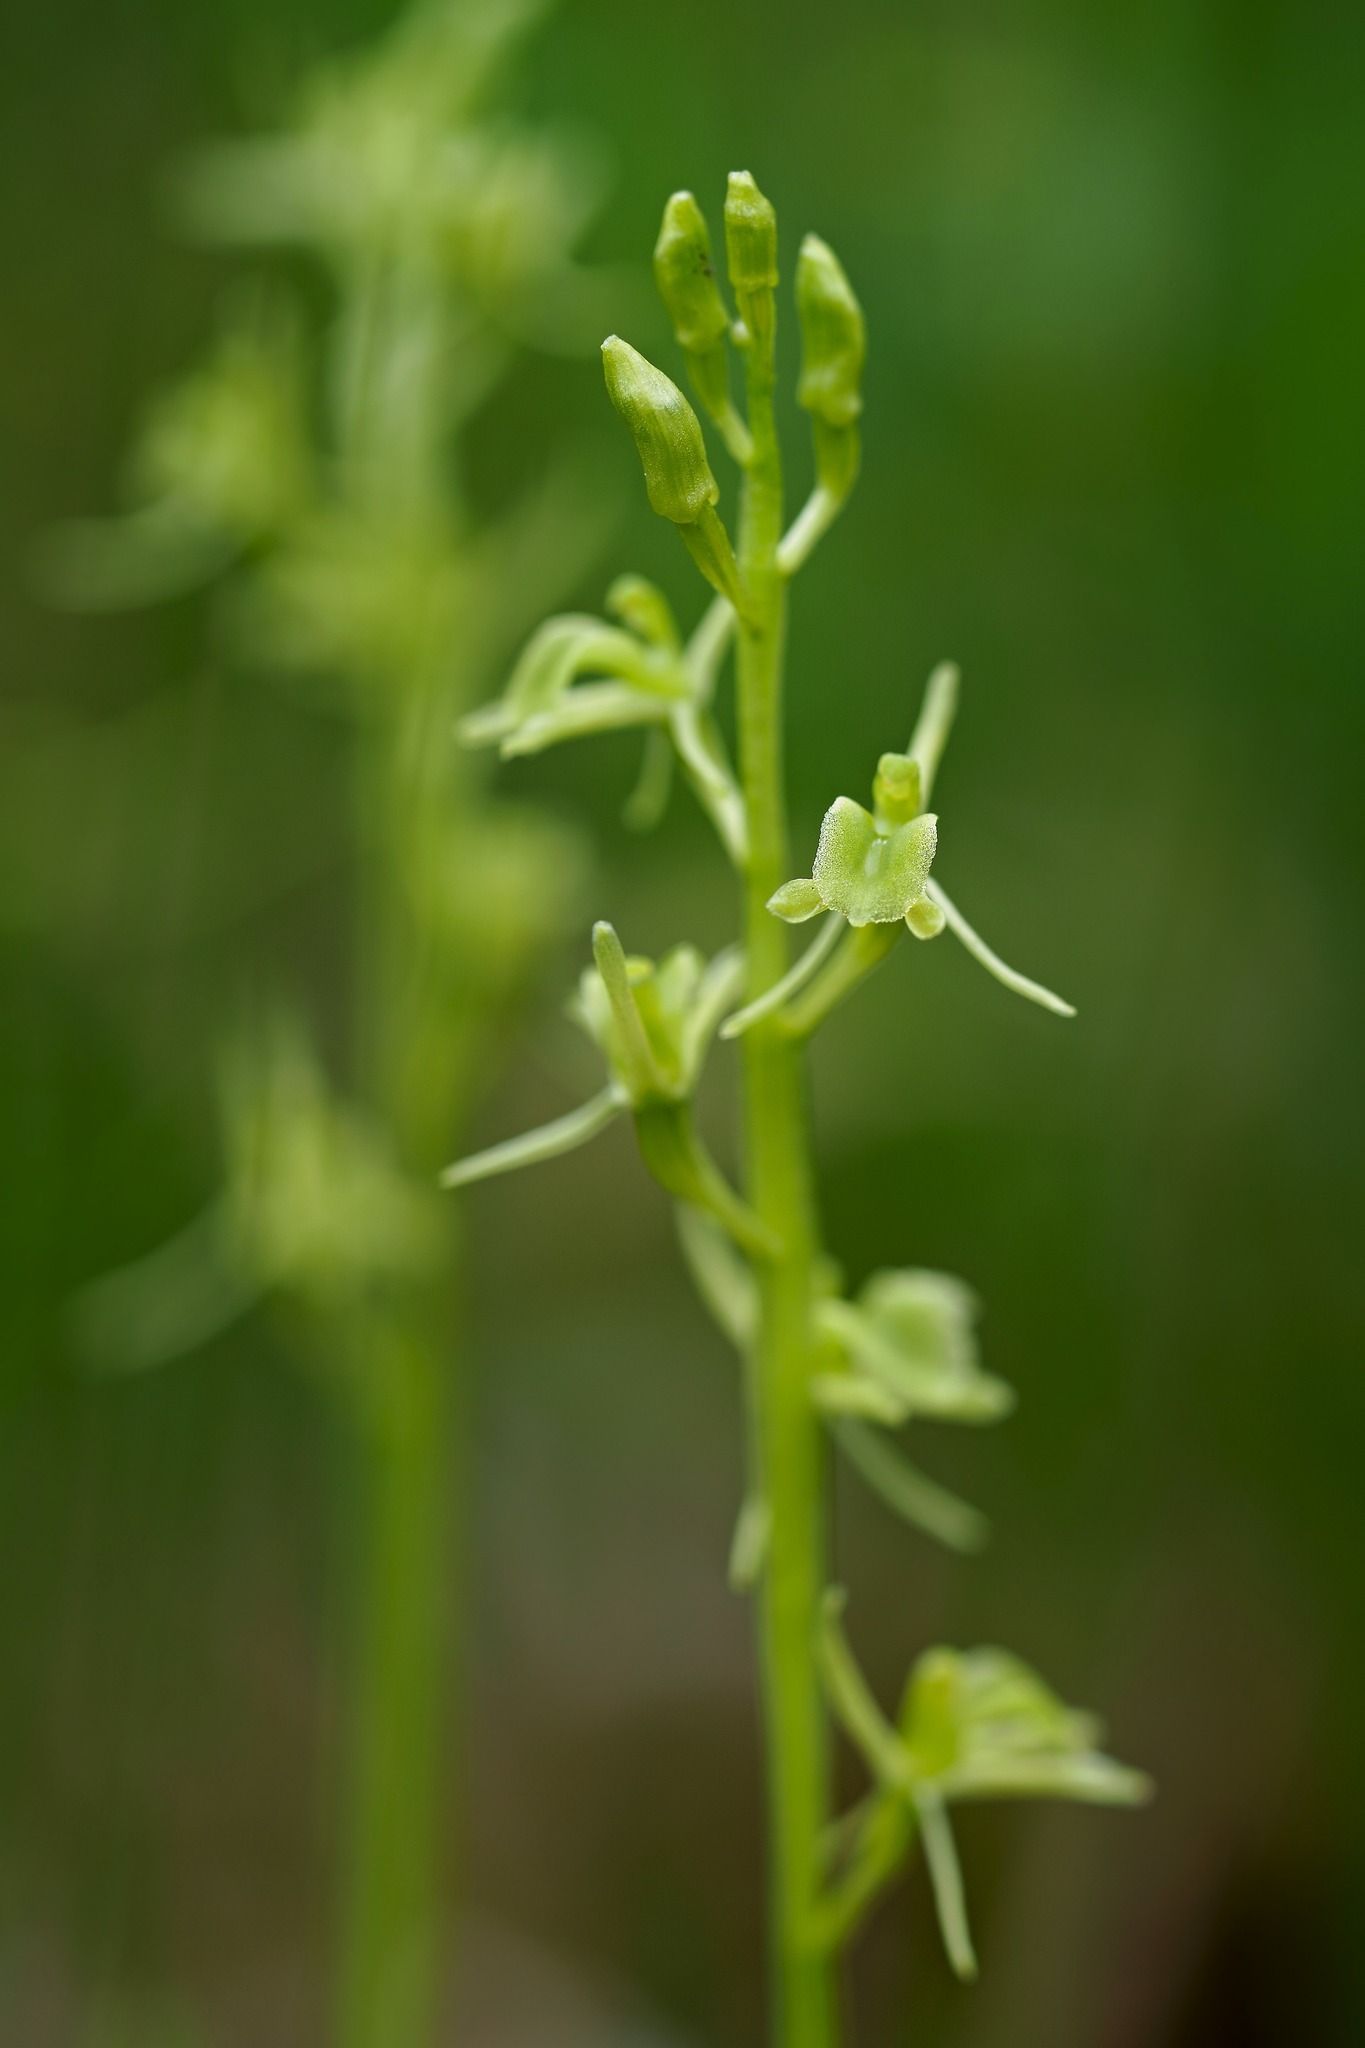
(410,1376)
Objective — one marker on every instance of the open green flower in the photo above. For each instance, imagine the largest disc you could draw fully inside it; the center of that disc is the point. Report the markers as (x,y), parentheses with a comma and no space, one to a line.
(654,1024)
(633,675)
(906,1348)
(973,1724)
(580,675)
(910,1342)
(871,873)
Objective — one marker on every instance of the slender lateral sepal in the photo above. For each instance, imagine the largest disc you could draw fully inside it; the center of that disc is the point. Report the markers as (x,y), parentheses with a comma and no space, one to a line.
(550,1141)
(945,1874)
(1008,977)
(935,723)
(858,954)
(907,1491)
(797,976)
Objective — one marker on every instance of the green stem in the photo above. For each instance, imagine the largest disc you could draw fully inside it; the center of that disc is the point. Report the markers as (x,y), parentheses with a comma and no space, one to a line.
(789,1449)
(409,1381)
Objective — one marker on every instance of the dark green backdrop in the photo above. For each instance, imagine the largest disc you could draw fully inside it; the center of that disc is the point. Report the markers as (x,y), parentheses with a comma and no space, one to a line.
(1112,264)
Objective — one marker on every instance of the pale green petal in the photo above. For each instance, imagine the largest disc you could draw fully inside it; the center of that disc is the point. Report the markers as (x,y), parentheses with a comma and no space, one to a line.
(720,984)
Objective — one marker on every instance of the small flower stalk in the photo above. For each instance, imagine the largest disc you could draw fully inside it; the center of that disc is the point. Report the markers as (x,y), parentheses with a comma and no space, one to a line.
(819,1364)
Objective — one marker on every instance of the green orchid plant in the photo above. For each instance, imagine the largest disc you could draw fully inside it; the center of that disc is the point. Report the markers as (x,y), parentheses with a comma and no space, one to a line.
(864,1368)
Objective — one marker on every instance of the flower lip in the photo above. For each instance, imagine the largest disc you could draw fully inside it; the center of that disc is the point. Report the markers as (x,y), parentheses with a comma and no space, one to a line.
(868,876)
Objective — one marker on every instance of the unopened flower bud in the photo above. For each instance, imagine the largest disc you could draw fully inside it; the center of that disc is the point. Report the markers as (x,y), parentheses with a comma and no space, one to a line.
(686,276)
(833,336)
(666,431)
(750,236)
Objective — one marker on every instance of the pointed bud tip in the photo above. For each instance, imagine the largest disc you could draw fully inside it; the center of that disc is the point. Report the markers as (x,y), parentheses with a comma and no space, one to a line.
(666,432)
(833,336)
(685,276)
(750,235)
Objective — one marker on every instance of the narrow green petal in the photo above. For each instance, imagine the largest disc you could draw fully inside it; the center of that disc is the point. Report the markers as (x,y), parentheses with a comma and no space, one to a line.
(902,1486)
(565,1134)
(935,722)
(591,708)
(795,977)
(719,1274)
(945,1874)
(720,984)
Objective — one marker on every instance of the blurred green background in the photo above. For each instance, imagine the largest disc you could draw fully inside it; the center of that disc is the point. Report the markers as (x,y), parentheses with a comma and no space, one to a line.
(1112,266)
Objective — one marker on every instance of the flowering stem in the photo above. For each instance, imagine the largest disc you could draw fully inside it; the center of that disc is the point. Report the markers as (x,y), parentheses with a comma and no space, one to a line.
(788,1447)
